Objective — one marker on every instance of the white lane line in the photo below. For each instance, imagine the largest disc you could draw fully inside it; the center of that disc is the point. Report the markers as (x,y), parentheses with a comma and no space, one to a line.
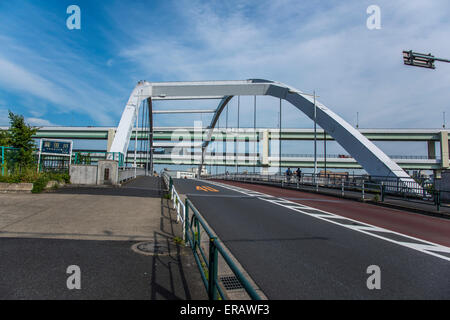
(428,247)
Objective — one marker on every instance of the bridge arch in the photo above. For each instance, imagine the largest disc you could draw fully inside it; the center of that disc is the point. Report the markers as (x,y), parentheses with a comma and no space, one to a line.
(366,153)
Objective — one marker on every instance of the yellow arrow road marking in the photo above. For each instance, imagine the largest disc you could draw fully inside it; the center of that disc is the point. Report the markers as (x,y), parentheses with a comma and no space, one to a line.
(206,189)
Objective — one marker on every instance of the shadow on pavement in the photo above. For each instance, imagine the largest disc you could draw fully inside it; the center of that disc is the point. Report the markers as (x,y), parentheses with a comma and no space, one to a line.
(139,187)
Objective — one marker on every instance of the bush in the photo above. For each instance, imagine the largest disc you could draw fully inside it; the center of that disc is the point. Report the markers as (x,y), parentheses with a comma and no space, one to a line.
(39,180)
(60,177)
(40,183)
(23,175)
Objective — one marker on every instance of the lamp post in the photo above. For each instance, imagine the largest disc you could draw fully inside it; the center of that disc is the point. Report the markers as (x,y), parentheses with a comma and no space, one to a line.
(279,144)
(315,137)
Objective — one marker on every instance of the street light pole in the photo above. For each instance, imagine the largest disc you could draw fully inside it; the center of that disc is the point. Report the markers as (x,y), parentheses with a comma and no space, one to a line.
(325,150)
(315,137)
(443,120)
(279,142)
(237,136)
(254,136)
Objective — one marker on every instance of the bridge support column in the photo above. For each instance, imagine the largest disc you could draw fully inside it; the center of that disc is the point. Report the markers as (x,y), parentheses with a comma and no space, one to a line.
(111,135)
(431,150)
(444,149)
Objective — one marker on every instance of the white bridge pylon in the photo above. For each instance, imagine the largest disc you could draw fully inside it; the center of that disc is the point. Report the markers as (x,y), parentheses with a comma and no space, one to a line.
(369,156)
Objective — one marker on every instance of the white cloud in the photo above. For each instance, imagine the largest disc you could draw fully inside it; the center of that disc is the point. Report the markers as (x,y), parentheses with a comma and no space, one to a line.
(39,122)
(327,48)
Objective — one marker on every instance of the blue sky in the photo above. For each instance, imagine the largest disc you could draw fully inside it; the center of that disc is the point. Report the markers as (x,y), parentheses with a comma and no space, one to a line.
(56,76)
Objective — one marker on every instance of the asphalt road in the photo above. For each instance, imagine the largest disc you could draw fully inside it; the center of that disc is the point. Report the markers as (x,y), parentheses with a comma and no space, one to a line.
(292,255)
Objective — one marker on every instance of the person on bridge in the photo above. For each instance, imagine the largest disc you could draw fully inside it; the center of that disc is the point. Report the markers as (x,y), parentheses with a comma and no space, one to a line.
(288,174)
(299,174)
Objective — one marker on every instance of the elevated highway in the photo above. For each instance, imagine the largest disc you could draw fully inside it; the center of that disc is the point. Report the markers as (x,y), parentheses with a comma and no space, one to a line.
(167,138)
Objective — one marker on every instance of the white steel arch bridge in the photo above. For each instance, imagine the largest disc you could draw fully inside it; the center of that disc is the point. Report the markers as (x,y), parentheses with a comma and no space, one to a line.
(374,161)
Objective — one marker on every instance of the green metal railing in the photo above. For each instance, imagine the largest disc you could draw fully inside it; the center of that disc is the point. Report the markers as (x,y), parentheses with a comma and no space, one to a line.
(209,263)
(91,157)
(7,164)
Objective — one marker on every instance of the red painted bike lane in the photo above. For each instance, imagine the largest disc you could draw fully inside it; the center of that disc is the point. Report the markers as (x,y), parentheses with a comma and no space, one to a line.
(423,227)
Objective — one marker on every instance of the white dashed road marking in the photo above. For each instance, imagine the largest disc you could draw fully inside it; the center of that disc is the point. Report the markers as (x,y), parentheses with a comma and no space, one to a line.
(421,245)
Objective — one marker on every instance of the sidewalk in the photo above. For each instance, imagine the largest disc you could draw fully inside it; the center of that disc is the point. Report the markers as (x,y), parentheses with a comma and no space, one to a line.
(122,238)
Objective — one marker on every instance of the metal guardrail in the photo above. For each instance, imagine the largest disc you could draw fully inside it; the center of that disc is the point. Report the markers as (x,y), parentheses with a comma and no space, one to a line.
(92,157)
(177,203)
(208,262)
(381,187)
(207,259)
(126,174)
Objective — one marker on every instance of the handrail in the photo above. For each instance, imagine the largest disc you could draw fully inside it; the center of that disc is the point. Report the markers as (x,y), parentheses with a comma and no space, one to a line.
(207,263)
(177,203)
(193,238)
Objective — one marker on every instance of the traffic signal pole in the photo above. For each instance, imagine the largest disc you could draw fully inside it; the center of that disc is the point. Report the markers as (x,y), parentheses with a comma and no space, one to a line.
(416,59)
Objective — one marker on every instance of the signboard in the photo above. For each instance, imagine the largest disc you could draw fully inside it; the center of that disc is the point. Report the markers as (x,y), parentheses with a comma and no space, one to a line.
(56,147)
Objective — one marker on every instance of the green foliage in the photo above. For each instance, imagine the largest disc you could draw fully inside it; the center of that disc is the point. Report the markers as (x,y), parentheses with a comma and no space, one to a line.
(21,137)
(44,178)
(25,175)
(178,240)
(83,158)
(167,196)
(5,138)
(39,180)
(40,183)
(19,163)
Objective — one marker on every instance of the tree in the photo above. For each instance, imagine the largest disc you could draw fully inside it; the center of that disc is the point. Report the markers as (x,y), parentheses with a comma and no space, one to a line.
(5,138)
(21,137)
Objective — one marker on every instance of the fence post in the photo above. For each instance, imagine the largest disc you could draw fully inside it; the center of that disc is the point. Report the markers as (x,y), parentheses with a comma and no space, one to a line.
(438,200)
(186,222)
(3,161)
(382,191)
(342,189)
(212,272)
(362,189)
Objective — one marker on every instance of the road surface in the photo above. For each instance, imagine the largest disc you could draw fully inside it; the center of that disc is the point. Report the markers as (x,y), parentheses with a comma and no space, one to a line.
(292,250)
